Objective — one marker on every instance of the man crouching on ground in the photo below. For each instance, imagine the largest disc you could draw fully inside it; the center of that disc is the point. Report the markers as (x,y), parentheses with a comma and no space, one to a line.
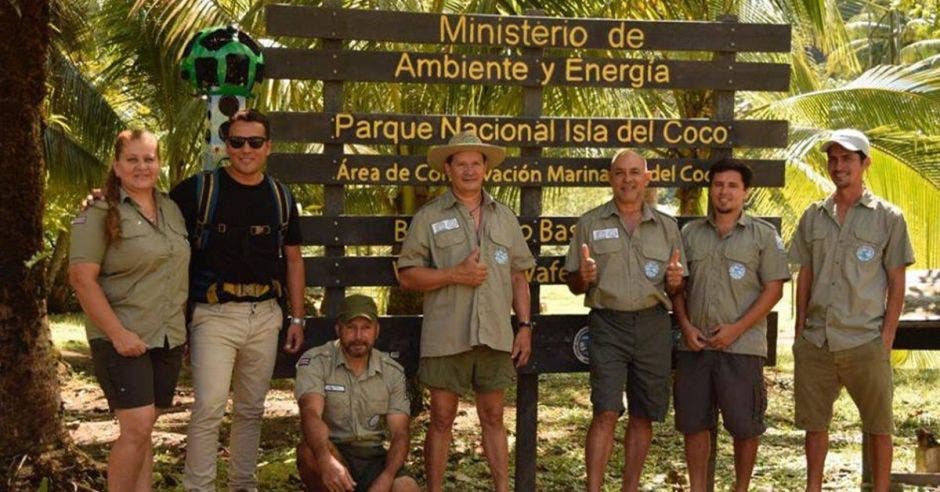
(345,389)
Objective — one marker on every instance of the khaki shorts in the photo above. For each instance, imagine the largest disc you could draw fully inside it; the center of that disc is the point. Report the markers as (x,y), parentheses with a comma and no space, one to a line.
(820,374)
(481,369)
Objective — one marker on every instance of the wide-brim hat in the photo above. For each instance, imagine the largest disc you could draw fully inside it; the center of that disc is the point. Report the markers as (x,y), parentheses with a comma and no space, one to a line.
(463,142)
(850,139)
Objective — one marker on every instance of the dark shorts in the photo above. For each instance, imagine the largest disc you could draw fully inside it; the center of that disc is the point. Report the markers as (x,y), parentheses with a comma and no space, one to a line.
(131,382)
(632,351)
(481,369)
(710,381)
(365,463)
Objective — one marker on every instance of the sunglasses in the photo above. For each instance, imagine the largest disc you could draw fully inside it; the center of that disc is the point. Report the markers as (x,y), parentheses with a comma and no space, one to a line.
(238,142)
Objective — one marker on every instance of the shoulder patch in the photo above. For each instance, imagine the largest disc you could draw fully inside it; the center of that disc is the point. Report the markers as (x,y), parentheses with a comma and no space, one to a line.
(80,219)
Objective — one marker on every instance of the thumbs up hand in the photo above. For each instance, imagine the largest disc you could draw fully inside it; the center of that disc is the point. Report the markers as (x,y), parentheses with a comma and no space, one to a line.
(674,272)
(471,271)
(588,269)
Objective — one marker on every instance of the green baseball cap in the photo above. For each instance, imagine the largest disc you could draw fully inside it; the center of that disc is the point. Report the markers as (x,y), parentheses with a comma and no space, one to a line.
(358,305)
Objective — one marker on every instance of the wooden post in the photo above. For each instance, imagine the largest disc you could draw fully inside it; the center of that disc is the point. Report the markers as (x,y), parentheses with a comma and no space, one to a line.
(334,196)
(527,384)
(724,112)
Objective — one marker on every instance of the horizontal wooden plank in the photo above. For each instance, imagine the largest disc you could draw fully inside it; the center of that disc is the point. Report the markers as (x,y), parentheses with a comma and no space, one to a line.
(917,479)
(524,31)
(449,68)
(918,334)
(385,230)
(350,271)
(374,169)
(366,128)
(553,342)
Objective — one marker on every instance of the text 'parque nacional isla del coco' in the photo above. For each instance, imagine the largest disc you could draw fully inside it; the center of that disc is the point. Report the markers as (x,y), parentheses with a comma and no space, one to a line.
(538,132)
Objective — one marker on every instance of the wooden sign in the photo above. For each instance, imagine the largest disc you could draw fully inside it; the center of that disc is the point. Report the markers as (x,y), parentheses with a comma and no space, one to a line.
(452,68)
(524,31)
(379,169)
(395,129)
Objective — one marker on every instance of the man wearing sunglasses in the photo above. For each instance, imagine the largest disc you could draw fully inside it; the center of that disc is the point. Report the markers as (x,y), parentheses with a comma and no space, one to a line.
(245,235)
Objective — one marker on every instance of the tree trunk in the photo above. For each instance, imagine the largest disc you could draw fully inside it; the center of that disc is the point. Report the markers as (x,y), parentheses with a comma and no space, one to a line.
(30,408)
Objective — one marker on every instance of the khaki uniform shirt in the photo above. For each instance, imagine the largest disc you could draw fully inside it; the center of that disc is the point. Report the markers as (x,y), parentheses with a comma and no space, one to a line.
(459,317)
(355,406)
(630,268)
(850,263)
(727,274)
(145,275)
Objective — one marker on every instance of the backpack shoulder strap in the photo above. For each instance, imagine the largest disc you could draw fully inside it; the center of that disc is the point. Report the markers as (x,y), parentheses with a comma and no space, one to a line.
(207,196)
(283,202)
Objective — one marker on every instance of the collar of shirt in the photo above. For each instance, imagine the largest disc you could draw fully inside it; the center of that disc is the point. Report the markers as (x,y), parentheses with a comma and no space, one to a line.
(610,208)
(867,199)
(375,363)
(743,220)
(448,199)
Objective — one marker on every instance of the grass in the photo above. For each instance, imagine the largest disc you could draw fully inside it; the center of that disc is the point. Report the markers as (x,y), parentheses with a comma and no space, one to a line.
(564,416)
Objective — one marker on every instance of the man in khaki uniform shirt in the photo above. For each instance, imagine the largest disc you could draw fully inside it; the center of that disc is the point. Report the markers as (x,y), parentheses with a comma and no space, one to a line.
(625,255)
(853,249)
(466,252)
(737,267)
(350,395)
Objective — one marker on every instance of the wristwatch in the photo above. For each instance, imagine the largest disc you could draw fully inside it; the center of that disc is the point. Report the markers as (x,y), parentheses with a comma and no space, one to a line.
(294,320)
(527,324)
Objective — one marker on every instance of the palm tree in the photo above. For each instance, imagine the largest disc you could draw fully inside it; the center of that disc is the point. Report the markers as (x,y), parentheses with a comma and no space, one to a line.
(34,440)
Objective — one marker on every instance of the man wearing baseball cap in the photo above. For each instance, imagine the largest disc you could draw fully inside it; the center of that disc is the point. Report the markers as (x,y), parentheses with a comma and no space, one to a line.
(346,389)
(466,252)
(853,249)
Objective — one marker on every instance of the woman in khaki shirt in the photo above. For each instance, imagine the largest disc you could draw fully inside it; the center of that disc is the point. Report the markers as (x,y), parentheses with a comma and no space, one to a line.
(128,264)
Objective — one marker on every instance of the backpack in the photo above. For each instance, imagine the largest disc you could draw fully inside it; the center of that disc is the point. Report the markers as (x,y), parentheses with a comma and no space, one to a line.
(207,195)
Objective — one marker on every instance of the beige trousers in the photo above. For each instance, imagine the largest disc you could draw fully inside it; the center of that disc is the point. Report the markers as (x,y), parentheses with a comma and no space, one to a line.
(233,344)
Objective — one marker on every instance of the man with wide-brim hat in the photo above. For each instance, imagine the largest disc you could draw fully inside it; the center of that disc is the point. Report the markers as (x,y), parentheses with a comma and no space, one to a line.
(462,142)
(467,253)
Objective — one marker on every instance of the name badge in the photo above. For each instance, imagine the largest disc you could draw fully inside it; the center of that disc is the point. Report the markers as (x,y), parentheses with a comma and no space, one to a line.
(335,388)
(445,225)
(612,233)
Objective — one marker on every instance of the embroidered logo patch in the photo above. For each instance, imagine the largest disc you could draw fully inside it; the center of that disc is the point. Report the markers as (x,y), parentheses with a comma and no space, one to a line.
(651,269)
(445,225)
(582,340)
(612,233)
(334,388)
(865,253)
(303,361)
(81,219)
(737,270)
(501,256)
(374,421)
(779,241)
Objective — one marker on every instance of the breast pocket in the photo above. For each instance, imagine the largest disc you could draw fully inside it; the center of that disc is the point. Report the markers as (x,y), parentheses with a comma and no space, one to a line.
(866,248)
(336,406)
(375,412)
(450,247)
(741,268)
(501,254)
(655,255)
